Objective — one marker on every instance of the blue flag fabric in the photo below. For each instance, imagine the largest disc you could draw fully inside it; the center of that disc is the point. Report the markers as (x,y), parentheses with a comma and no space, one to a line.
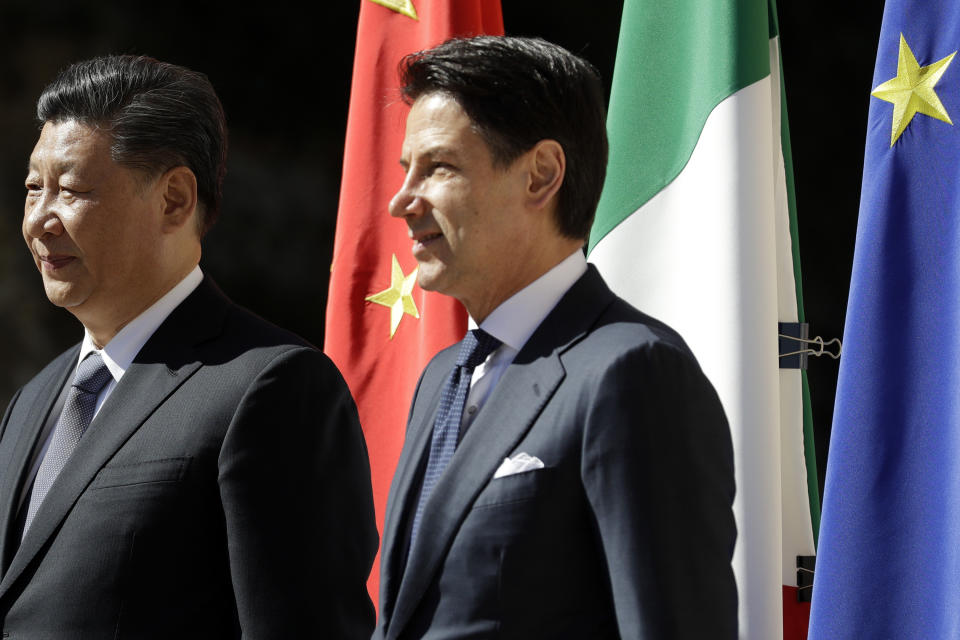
(888,563)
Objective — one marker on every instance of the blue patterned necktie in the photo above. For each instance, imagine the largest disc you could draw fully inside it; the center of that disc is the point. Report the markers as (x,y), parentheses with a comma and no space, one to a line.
(92,376)
(476,346)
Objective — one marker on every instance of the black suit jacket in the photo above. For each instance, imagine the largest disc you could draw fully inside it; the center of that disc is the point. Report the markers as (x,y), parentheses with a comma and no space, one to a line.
(223,490)
(627,532)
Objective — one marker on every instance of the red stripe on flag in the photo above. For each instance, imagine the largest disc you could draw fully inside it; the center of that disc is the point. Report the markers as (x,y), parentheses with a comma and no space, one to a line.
(796,615)
(382,371)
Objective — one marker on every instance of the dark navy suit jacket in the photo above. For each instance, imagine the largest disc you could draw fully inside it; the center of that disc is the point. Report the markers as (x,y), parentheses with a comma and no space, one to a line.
(627,531)
(222,489)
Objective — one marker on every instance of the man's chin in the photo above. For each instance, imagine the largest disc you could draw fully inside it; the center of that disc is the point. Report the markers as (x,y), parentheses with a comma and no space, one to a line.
(62,294)
(429,279)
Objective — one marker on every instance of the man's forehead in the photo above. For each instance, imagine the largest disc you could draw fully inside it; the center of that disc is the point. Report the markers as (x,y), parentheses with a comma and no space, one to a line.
(439,107)
(69,143)
(437,125)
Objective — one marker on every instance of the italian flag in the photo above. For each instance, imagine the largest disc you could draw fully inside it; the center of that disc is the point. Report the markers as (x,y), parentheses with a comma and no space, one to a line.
(381,328)
(697,227)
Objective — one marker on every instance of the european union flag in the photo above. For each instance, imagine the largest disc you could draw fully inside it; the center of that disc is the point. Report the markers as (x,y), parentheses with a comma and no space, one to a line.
(888,565)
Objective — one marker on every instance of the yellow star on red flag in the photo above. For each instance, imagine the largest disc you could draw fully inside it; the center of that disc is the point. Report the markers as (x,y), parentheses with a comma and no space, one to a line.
(404,7)
(911,91)
(399,297)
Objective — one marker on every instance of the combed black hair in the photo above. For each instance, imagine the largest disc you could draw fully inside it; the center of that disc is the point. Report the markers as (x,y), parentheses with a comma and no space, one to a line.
(517,92)
(159,116)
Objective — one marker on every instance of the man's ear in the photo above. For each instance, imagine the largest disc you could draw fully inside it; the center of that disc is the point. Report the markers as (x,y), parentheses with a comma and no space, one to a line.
(548,165)
(179,191)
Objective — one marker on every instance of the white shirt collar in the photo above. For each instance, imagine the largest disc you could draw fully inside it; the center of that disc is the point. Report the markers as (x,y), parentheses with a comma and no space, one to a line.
(515,320)
(119,353)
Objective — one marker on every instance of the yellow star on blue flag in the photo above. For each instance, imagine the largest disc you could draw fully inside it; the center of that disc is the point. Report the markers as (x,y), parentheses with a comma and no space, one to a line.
(911,90)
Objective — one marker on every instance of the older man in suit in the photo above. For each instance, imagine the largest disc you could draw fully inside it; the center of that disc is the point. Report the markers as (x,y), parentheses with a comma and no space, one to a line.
(188,470)
(567,470)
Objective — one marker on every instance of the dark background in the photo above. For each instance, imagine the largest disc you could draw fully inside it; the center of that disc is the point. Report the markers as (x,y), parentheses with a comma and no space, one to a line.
(283,75)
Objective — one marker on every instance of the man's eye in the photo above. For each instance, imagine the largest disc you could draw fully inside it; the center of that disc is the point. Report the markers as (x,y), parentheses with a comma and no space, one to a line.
(69,193)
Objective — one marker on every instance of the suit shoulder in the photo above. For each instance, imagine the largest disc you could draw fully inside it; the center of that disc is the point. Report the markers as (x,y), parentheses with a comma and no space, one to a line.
(252,342)
(626,350)
(625,327)
(209,326)
(255,344)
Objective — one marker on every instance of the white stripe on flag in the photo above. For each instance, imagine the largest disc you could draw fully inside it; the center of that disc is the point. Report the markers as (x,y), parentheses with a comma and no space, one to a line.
(704,261)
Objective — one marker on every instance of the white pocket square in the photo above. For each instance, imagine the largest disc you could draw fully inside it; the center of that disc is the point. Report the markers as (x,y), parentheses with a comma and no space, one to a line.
(518,464)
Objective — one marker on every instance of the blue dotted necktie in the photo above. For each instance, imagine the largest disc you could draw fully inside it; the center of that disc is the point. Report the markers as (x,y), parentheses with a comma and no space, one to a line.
(92,376)
(476,346)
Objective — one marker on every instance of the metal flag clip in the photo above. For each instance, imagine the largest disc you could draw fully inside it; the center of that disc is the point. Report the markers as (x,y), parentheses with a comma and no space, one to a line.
(821,349)
(792,335)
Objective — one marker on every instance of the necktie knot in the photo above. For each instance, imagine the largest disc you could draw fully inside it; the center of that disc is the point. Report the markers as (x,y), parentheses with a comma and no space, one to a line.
(92,374)
(476,346)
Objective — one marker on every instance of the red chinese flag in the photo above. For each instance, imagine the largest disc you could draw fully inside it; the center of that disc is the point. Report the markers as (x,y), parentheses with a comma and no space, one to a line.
(381,327)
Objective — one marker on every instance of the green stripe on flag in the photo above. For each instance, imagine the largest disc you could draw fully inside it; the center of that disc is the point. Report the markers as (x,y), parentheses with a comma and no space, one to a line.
(809,449)
(674,76)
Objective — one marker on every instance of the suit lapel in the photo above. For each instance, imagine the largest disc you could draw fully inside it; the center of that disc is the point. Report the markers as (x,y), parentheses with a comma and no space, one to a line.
(40,405)
(166,361)
(519,397)
(491,437)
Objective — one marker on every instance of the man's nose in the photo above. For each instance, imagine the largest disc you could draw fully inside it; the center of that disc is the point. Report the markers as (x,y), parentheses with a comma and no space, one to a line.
(407,201)
(40,217)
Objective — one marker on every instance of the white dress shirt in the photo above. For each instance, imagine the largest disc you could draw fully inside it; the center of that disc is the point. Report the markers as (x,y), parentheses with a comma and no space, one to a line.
(513,322)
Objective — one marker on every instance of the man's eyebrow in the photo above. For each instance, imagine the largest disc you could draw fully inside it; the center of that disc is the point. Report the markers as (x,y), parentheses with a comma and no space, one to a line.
(440,150)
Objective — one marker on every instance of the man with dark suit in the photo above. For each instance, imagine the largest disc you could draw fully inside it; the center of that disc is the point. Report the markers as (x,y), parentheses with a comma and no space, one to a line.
(567,470)
(188,470)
